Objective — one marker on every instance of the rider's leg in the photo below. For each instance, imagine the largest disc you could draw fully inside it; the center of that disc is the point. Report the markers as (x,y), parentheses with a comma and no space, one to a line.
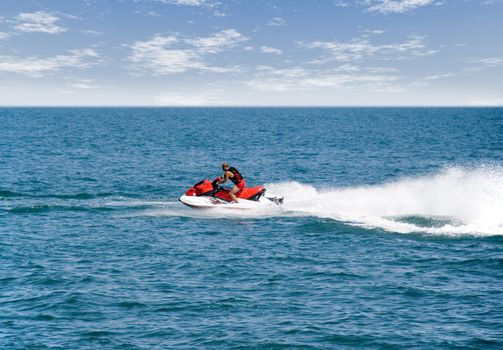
(233,192)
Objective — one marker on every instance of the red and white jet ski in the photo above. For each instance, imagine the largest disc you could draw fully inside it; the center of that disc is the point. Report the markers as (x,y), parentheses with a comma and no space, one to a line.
(206,194)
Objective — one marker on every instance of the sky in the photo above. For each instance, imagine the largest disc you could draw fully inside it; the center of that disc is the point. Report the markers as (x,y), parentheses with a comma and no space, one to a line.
(251,53)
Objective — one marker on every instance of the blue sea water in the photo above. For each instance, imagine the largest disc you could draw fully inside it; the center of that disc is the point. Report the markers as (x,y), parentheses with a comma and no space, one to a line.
(390,237)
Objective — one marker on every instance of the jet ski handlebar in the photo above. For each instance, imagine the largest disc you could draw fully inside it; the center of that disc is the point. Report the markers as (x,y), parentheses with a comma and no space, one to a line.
(216,183)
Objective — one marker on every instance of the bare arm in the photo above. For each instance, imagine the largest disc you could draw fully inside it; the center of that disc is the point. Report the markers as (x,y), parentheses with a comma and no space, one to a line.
(227,176)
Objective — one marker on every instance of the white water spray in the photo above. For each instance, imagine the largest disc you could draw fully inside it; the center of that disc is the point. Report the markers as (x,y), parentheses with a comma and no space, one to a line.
(464,201)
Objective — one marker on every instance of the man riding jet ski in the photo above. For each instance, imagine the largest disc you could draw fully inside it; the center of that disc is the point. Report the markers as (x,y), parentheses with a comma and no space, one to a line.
(206,194)
(235,176)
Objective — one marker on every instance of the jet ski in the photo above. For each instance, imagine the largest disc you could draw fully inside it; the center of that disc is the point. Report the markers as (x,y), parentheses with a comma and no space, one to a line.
(206,194)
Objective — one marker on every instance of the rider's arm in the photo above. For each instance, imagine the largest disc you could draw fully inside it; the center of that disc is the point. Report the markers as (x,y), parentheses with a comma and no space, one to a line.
(226,176)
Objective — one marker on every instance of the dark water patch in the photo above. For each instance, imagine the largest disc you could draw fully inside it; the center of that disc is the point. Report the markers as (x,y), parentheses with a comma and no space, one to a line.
(95,334)
(44,317)
(88,179)
(82,196)
(45,280)
(320,226)
(29,264)
(476,262)
(184,306)
(336,274)
(87,279)
(426,222)
(70,196)
(47,208)
(6,280)
(9,194)
(131,304)
(485,343)
(350,339)
(87,196)
(208,233)
(42,301)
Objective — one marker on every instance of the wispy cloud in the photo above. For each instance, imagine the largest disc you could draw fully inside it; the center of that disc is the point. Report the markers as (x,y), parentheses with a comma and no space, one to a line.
(487,62)
(218,42)
(36,66)
(341,3)
(368,32)
(297,78)
(272,50)
(92,32)
(3,35)
(188,2)
(361,48)
(164,55)
(40,21)
(83,84)
(212,5)
(396,6)
(277,22)
(475,66)
(492,2)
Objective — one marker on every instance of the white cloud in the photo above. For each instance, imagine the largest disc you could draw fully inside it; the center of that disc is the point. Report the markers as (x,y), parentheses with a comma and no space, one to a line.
(154,56)
(35,66)
(272,50)
(488,62)
(186,2)
(191,3)
(481,65)
(40,21)
(363,48)
(159,56)
(83,84)
(382,70)
(3,35)
(396,6)
(213,5)
(218,42)
(277,22)
(374,32)
(92,32)
(341,3)
(440,76)
(281,80)
(349,68)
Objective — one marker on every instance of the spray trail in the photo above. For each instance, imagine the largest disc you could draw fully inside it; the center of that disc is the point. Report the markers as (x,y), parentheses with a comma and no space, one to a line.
(454,201)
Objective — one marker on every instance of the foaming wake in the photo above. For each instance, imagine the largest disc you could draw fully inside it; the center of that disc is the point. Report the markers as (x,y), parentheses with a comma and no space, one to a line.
(454,201)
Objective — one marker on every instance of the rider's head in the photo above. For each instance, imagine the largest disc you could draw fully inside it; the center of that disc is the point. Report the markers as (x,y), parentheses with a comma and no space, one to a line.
(225,166)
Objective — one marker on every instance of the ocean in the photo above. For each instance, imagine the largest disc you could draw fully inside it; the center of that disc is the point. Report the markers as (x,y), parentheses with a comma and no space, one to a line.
(390,235)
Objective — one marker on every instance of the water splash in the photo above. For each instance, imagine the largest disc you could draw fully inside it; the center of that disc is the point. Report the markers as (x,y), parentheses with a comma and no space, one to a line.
(453,201)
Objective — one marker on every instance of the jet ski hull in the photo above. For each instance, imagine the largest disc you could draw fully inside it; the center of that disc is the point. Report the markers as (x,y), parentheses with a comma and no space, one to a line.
(205,202)
(206,194)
